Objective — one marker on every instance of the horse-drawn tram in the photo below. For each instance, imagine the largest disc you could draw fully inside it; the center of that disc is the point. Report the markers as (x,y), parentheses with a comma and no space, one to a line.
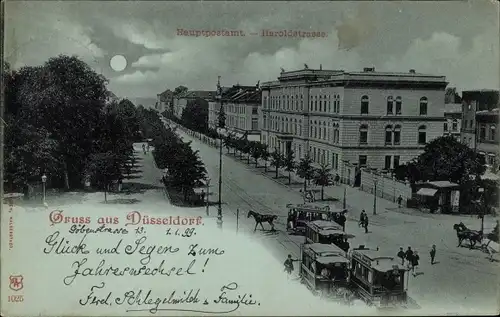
(378,279)
(327,232)
(324,270)
(299,214)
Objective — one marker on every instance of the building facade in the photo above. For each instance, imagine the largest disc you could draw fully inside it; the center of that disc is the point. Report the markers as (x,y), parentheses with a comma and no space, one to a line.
(373,119)
(480,122)
(242,108)
(180,102)
(164,101)
(453,116)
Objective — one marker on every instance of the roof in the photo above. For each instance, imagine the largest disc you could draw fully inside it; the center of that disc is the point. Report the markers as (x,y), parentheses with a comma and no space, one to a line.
(310,207)
(203,94)
(167,94)
(323,224)
(325,249)
(332,259)
(427,192)
(380,262)
(442,184)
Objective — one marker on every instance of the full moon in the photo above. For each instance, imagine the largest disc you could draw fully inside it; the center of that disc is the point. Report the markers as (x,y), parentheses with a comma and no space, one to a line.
(118,63)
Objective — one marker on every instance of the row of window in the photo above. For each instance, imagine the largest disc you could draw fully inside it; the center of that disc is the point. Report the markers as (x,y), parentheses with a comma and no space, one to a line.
(392,134)
(230,108)
(491,136)
(282,124)
(454,125)
(320,131)
(324,103)
(394,159)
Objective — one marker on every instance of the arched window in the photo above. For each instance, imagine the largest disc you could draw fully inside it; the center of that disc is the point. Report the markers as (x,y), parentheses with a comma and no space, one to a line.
(324,130)
(286,125)
(282,124)
(364,104)
(397,135)
(363,134)
(422,135)
(454,125)
(388,135)
(423,106)
(390,104)
(320,103)
(315,103)
(300,127)
(399,102)
(492,132)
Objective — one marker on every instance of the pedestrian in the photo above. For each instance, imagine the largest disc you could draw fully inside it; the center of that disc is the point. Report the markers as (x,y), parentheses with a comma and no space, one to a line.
(147,148)
(365,224)
(400,200)
(342,219)
(362,218)
(144,148)
(202,195)
(289,264)
(433,253)
(337,179)
(401,254)
(409,255)
(414,262)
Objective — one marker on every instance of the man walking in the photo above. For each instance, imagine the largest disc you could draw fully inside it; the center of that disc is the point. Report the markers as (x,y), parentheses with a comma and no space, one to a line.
(342,219)
(433,253)
(401,255)
(400,200)
(337,179)
(362,218)
(414,262)
(409,255)
(365,224)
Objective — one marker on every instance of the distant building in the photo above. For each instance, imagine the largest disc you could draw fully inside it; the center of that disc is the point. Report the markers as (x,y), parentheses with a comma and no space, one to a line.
(480,121)
(373,119)
(453,116)
(164,101)
(111,97)
(242,109)
(180,102)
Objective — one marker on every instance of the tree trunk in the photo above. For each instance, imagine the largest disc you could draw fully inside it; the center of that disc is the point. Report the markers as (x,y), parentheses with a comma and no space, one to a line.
(322,192)
(256,162)
(305,185)
(265,166)
(277,171)
(66,175)
(289,177)
(248,159)
(106,194)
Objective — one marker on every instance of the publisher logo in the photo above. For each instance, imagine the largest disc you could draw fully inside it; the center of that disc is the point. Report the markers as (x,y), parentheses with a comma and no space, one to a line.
(16,282)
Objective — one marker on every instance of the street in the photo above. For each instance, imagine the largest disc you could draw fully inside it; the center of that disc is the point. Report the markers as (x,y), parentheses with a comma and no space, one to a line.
(462,277)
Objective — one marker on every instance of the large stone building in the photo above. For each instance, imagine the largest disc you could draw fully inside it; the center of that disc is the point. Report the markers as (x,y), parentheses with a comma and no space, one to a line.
(480,121)
(181,101)
(242,109)
(453,116)
(368,118)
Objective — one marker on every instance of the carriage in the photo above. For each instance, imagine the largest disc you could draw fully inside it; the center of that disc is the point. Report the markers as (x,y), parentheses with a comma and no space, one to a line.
(324,269)
(379,279)
(300,214)
(327,232)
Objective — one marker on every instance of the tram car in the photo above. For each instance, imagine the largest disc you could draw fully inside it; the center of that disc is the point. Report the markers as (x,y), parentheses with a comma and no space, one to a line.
(300,214)
(324,269)
(327,232)
(379,279)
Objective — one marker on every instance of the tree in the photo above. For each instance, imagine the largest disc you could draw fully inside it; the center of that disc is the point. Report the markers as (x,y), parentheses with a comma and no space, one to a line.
(322,177)
(180,90)
(305,170)
(451,95)
(188,170)
(265,156)
(289,164)
(195,115)
(104,169)
(277,160)
(256,151)
(229,142)
(246,147)
(445,158)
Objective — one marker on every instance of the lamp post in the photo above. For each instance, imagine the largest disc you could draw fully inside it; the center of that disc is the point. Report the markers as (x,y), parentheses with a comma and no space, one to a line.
(222,119)
(208,193)
(482,207)
(344,201)
(44,180)
(375,181)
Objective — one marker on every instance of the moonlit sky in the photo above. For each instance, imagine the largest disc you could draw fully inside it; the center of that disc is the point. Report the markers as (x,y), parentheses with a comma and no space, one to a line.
(458,39)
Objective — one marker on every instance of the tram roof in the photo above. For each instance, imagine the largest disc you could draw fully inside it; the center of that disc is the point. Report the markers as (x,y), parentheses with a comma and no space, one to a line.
(311,207)
(325,249)
(379,261)
(332,259)
(324,224)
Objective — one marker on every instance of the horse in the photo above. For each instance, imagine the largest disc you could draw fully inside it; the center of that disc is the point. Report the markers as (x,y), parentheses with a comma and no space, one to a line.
(259,219)
(464,233)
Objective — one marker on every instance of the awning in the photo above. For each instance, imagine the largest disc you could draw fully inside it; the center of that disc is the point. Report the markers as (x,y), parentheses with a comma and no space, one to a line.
(427,192)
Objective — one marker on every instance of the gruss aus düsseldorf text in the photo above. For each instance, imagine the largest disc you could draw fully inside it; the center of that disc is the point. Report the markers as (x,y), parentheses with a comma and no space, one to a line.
(292,33)
(209,33)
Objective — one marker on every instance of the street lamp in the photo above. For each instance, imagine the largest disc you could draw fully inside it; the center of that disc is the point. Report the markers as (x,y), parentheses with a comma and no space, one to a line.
(44,180)
(208,193)
(482,207)
(222,122)
(375,181)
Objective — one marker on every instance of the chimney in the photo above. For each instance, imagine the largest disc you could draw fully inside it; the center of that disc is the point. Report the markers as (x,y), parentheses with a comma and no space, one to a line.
(369,69)
(320,67)
(412,71)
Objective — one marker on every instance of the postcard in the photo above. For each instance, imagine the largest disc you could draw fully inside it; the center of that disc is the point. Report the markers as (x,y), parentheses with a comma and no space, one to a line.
(258,158)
